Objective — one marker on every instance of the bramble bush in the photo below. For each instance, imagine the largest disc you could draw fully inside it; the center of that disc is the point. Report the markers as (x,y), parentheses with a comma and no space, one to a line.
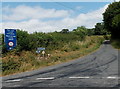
(51,41)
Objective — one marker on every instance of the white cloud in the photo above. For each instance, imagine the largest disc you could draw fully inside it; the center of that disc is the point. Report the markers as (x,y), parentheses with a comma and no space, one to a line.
(23,12)
(34,24)
(89,19)
(30,26)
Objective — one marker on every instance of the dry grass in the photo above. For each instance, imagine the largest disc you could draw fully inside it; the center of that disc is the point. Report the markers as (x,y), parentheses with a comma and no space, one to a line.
(29,61)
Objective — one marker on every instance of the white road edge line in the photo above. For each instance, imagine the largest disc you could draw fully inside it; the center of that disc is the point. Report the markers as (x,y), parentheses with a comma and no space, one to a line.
(49,78)
(15,80)
(79,77)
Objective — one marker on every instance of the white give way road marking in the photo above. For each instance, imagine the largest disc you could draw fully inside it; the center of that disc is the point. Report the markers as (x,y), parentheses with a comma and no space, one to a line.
(79,77)
(15,80)
(49,78)
(87,77)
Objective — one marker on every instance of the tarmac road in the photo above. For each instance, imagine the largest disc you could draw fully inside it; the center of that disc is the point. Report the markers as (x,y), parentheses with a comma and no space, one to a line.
(98,69)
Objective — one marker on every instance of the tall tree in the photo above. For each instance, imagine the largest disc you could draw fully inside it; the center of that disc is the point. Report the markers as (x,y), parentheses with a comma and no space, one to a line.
(99,29)
(112,19)
(22,40)
(65,31)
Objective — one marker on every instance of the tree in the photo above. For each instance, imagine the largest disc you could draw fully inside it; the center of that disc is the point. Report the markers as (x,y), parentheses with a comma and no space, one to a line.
(65,31)
(91,31)
(99,29)
(112,19)
(22,40)
(33,40)
(116,22)
(4,50)
(81,32)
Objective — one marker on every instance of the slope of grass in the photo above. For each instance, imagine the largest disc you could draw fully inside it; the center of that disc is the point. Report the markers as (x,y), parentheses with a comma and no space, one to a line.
(0,44)
(0,53)
(28,60)
(116,43)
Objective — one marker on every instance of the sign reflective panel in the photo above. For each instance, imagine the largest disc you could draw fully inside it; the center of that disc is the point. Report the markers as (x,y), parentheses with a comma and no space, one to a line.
(10,38)
(40,48)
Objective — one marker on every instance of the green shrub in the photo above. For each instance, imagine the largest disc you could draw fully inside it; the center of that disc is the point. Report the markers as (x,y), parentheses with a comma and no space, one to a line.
(74,47)
(116,43)
(10,65)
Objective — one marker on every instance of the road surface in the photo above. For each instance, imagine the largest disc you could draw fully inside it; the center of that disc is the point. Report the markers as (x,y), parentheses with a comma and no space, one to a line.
(98,69)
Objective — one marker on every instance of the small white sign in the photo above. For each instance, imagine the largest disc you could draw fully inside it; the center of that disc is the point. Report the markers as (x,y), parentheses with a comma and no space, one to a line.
(43,52)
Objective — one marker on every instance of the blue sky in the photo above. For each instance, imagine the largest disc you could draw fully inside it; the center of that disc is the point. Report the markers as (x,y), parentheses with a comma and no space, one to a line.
(84,6)
(58,5)
(51,16)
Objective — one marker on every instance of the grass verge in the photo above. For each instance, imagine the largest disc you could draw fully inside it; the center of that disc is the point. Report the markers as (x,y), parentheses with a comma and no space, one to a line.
(116,43)
(28,60)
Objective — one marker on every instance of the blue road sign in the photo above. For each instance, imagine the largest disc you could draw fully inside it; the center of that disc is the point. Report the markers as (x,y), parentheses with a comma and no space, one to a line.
(10,39)
(40,48)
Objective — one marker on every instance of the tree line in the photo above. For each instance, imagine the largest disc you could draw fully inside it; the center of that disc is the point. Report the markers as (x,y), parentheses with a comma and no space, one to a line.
(55,40)
(111,18)
(51,41)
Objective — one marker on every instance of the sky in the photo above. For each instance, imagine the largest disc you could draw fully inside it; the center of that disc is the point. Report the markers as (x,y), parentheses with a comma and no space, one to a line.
(51,16)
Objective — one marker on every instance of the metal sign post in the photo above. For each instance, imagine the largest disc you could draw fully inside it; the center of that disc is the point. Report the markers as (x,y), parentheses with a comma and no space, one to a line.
(10,39)
(43,52)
